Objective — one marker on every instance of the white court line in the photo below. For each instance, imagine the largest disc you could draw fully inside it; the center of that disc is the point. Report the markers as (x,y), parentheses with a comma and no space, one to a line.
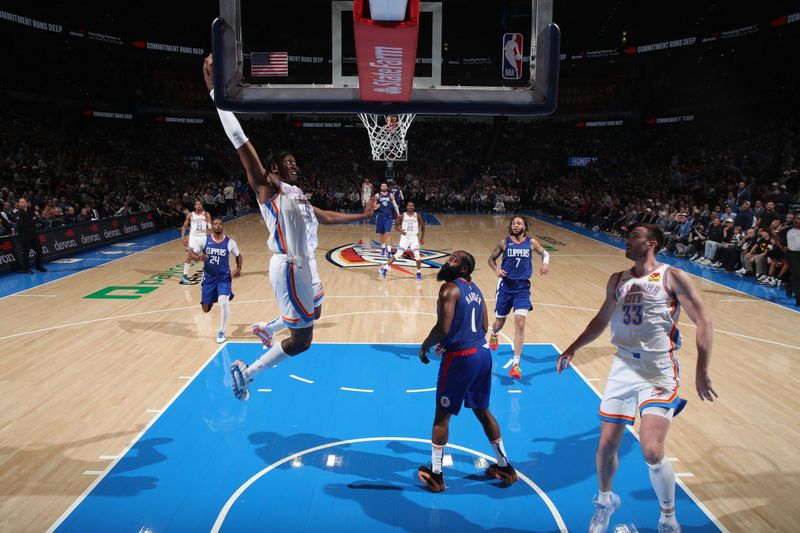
(152,410)
(684,474)
(135,439)
(421,390)
(686,489)
(264,390)
(741,300)
(92,472)
(514,391)
(673,459)
(184,377)
(35,295)
(107,457)
(356,390)
(298,378)
(509,363)
(223,513)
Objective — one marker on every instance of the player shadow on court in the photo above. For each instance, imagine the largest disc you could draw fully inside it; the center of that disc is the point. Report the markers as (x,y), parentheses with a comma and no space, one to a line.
(399,351)
(572,459)
(143,454)
(527,375)
(114,485)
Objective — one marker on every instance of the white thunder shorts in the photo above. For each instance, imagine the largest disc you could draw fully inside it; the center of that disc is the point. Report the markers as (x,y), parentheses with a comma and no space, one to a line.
(408,243)
(294,289)
(639,382)
(196,241)
(316,282)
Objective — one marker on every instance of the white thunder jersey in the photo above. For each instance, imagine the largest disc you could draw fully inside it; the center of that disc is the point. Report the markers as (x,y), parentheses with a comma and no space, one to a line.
(645,320)
(291,222)
(198,226)
(410,225)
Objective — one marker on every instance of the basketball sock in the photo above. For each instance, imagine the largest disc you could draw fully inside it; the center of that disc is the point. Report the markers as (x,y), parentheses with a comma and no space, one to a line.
(500,452)
(604,498)
(516,359)
(383,246)
(275,325)
(437,455)
(662,476)
(186,269)
(224,311)
(274,356)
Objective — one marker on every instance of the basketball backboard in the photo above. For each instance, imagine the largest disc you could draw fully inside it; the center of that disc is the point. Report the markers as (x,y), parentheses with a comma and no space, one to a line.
(498,57)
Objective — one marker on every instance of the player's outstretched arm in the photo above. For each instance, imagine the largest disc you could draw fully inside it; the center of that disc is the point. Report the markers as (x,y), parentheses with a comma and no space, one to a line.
(497,252)
(539,249)
(689,298)
(448,297)
(256,175)
(595,327)
(335,217)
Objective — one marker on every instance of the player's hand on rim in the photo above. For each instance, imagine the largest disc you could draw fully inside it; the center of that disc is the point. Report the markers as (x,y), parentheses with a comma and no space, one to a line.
(208,72)
(704,389)
(564,361)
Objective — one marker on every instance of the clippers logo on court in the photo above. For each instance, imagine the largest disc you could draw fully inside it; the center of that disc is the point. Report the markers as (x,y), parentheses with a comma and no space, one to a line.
(512,56)
(369,255)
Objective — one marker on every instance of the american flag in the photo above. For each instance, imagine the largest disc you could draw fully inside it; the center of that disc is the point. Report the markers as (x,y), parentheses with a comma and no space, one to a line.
(269,64)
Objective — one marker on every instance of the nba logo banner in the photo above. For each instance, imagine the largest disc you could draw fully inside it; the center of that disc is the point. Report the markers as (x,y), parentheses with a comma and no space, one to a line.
(512,56)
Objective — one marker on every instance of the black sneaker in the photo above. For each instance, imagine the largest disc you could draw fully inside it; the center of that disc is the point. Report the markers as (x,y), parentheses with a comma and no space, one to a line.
(435,482)
(41,269)
(507,474)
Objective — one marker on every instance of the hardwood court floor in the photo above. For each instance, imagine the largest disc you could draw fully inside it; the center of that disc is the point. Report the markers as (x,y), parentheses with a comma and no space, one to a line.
(82,377)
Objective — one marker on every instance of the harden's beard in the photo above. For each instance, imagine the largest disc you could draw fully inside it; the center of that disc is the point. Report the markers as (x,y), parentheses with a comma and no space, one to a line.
(447,273)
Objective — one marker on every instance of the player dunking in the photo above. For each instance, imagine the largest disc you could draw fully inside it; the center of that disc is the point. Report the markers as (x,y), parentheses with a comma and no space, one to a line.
(216,285)
(412,234)
(643,305)
(514,284)
(465,373)
(383,222)
(198,223)
(292,223)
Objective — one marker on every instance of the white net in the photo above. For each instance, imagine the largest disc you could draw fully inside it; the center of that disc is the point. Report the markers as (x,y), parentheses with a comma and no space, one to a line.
(387,135)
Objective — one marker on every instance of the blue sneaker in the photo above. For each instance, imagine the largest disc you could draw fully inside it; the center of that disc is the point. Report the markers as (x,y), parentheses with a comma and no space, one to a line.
(419,276)
(602,514)
(221,337)
(238,381)
(184,280)
(382,271)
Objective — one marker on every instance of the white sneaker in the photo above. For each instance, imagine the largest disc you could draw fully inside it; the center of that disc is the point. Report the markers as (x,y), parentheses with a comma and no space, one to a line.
(261,331)
(705,261)
(761,278)
(669,527)
(742,271)
(221,337)
(184,280)
(695,257)
(238,381)
(778,283)
(602,514)
(717,264)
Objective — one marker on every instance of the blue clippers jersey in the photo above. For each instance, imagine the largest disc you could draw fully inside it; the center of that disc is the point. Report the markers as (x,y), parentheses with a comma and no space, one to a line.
(217,265)
(466,330)
(517,260)
(385,204)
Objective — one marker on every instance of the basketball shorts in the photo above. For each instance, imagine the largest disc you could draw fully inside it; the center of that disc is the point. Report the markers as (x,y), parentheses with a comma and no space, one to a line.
(408,243)
(292,281)
(211,290)
(638,382)
(196,241)
(316,282)
(465,377)
(383,224)
(508,297)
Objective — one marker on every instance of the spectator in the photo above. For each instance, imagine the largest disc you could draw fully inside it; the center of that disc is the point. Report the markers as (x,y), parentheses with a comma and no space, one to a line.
(27,238)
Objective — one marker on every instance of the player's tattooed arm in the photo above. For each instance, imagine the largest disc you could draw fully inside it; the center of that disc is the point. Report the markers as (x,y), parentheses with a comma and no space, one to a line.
(497,252)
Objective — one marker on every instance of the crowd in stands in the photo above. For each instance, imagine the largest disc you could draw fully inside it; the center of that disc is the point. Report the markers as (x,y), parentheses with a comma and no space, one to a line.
(715,186)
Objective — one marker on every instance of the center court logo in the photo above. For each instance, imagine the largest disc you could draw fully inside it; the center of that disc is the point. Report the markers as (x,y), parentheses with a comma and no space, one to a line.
(366,255)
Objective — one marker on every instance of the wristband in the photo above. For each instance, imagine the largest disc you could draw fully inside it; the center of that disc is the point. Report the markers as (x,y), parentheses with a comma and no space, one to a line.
(231,126)
(545,258)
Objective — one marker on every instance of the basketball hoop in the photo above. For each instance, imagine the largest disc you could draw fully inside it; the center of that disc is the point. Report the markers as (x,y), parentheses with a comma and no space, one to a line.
(387,135)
